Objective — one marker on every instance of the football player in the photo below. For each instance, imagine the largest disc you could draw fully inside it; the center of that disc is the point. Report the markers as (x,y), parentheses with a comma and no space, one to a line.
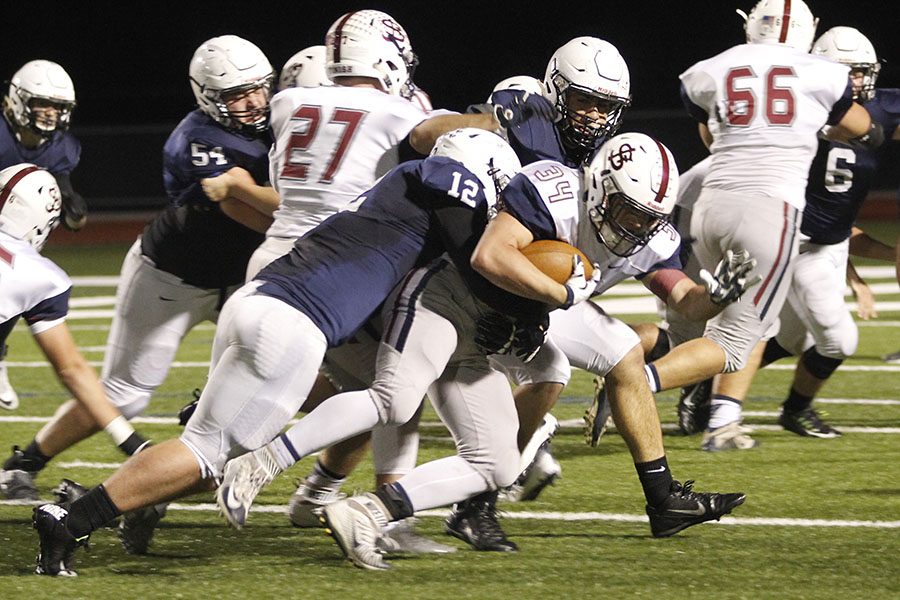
(194,254)
(38,291)
(273,333)
(814,322)
(37,110)
(746,100)
(304,69)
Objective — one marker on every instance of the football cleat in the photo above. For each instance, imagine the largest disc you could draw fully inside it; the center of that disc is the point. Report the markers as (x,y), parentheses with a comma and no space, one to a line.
(244,477)
(400,537)
(474,521)
(9,399)
(893,358)
(68,492)
(599,416)
(685,507)
(56,557)
(16,484)
(356,524)
(138,526)
(807,422)
(544,470)
(694,405)
(307,503)
(728,437)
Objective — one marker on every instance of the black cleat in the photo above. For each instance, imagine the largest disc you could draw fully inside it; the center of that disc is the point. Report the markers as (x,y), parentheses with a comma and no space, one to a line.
(598,417)
(138,526)
(808,423)
(694,404)
(685,507)
(475,522)
(58,546)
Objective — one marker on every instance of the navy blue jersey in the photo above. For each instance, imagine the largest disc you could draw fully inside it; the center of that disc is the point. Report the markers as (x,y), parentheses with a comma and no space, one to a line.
(340,272)
(840,176)
(193,239)
(536,138)
(59,155)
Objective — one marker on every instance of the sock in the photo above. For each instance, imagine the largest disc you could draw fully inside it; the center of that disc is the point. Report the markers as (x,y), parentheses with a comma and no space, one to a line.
(31,460)
(395,500)
(90,512)
(652,377)
(796,402)
(661,347)
(723,410)
(774,351)
(322,478)
(656,479)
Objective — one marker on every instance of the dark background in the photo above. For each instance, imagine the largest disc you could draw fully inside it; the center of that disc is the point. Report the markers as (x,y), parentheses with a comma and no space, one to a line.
(129,62)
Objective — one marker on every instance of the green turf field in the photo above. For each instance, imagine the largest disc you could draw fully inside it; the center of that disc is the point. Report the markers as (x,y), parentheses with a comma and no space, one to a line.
(822,517)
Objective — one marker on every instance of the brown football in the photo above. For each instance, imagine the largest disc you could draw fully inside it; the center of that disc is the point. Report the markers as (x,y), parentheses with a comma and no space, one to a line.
(554,259)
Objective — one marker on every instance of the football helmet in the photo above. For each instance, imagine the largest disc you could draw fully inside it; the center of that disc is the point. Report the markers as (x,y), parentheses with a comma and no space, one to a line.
(848,46)
(531,85)
(631,187)
(43,82)
(227,65)
(594,68)
(370,43)
(787,22)
(484,153)
(30,203)
(305,69)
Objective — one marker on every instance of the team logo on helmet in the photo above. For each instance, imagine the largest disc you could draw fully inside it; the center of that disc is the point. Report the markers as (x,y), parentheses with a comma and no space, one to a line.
(618,159)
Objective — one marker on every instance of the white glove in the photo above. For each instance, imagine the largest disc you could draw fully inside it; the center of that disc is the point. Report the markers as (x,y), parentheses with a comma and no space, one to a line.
(578,287)
(731,278)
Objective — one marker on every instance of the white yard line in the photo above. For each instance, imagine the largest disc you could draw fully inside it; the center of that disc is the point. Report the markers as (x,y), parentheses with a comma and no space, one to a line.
(564,516)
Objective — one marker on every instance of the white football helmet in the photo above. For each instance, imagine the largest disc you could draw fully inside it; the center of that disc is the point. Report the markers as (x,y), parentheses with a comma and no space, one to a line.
(370,43)
(848,46)
(787,22)
(631,187)
(532,85)
(305,69)
(30,203)
(594,68)
(484,153)
(226,65)
(39,80)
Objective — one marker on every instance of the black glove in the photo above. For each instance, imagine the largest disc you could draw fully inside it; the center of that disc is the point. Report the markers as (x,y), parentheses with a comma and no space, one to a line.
(74,210)
(184,415)
(529,339)
(494,333)
(519,108)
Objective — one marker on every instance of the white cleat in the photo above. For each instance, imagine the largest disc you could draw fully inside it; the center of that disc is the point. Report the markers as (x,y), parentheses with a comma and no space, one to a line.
(244,477)
(9,399)
(544,471)
(356,523)
(400,537)
(732,436)
(307,503)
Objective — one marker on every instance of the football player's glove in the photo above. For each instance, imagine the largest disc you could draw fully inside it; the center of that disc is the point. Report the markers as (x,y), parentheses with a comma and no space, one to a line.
(529,338)
(184,414)
(520,108)
(494,333)
(74,210)
(731,277)
(579,288)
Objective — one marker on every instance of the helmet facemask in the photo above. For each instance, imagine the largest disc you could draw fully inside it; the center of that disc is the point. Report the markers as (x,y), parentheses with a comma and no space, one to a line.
(623,225)
(252,121)
(582,134)
(869,74)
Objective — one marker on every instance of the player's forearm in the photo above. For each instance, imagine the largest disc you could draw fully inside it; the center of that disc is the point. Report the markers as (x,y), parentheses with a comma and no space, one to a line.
(865,246)
(426,133)
(509,269)
(692,301)
(245,215)
(262,198)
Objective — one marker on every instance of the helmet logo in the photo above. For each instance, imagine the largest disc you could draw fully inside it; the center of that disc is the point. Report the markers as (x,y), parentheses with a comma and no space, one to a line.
(624,154)
(394,32)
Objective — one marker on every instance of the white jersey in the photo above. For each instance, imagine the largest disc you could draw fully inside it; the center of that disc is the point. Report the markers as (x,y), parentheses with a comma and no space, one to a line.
(763,105)
(547,198)
(330,145)
(32,286)
(691,182)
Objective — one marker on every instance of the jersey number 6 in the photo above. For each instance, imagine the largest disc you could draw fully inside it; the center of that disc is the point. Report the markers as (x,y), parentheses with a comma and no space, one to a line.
(741,101)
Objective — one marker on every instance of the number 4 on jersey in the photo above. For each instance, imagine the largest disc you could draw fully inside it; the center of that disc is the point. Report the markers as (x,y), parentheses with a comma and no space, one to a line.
(300,153)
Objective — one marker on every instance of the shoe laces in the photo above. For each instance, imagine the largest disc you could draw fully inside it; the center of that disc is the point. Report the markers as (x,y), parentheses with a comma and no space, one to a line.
(490,525)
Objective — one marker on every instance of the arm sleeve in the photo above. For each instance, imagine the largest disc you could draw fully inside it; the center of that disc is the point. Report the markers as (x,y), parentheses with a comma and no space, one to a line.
(48,313)
(841,107)
(521,200)
(694,110)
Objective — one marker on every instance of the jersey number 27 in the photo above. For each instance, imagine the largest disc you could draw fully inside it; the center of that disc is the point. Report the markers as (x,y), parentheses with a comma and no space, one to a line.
(299,153)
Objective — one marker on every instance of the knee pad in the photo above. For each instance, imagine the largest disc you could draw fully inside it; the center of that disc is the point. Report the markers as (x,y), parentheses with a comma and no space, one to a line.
(130,399)
(661,347)
(394,407)
(820,366)
(840,342)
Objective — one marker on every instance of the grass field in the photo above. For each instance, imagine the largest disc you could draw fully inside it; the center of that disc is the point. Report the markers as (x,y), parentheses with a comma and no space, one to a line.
(822,517)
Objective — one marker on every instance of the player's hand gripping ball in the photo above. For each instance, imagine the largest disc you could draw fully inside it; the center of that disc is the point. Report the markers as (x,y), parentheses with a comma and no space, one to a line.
(554,259)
